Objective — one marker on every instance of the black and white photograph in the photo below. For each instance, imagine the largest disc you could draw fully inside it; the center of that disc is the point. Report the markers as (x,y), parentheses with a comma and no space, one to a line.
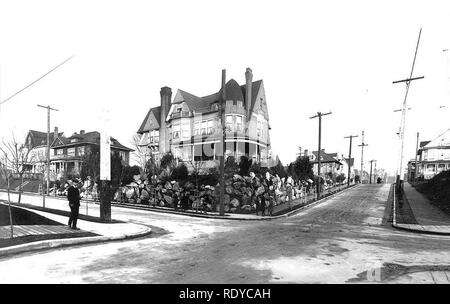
(232,144)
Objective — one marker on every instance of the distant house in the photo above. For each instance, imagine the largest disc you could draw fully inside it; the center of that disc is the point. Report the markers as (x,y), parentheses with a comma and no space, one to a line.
(328,162)
(433,157)
(346,163)
(36,142)
(68,152)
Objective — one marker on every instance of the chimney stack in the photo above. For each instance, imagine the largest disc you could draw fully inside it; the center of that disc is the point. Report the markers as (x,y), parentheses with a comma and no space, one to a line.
(55,133)
(248,91)
(306,153)
(166,96)
(81,132)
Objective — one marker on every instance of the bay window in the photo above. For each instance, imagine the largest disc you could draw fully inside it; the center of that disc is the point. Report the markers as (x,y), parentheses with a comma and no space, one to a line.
(175,131)
(229,122)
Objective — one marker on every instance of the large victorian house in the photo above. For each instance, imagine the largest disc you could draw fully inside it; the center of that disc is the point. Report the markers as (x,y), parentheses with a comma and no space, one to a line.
(189,126)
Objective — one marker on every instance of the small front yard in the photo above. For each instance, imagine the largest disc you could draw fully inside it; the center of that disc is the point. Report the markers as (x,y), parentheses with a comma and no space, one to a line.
(22,217)
(437,190)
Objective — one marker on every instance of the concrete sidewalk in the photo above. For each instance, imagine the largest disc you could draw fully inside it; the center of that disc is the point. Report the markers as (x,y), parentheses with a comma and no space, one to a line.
(105,232)
(89,207)
(429,218)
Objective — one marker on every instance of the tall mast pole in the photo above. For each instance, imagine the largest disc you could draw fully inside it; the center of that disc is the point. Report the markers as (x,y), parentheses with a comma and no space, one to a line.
(349,158)
(362,145)
(222,152)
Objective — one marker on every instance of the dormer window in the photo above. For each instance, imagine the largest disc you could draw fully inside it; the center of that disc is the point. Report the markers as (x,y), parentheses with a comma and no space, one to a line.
(73,140)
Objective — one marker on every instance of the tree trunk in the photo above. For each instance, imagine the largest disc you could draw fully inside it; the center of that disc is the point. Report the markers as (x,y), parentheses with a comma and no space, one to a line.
(20,189)
(105,201)
(9,198)
(10,215)
(43,193)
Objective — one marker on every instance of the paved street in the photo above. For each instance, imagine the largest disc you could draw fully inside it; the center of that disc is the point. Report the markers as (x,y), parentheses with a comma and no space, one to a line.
(343,239)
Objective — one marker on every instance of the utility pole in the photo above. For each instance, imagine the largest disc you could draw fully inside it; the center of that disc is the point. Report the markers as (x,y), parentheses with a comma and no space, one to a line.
(319,114)
(349,158)
(48,143)
(407,81)
(222,141)
(370,176)
(415,160)
(362,145)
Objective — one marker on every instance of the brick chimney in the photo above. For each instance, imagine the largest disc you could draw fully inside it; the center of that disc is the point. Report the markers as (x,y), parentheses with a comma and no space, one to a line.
(248,91)
(82,132)
(55,133)
(164,135)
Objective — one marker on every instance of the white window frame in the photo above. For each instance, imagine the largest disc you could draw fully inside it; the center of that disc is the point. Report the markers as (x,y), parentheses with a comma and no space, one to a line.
(69,151)
(239,126)
(176,129)
(209,126)
(197,126)
(204,127)
(80,150)
(229,125)
(185,129)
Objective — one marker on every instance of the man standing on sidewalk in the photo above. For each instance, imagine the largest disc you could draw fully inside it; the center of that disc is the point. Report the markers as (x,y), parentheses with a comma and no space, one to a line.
(73,195)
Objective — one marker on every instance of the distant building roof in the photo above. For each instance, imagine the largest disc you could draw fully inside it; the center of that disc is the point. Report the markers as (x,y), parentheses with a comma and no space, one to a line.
(89,138)
(350,161)
(157,112)
(424,143)
(38,138)
(325,157)
(233,91)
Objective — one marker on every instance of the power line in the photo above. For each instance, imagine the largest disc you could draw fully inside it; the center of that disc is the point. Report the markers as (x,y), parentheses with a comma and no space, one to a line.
(349,158)
(319,115)
(403,120)
(29,85)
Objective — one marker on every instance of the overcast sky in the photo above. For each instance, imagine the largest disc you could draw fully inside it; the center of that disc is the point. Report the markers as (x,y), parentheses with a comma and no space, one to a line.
(338,56)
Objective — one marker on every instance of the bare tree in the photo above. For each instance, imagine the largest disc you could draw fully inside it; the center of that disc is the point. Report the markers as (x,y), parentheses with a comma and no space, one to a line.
(197,167)
(19,156)
(39,158)
(6,174)
(141,154)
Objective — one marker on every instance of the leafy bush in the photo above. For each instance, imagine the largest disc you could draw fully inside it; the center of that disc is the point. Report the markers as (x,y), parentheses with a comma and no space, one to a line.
(437,188)
(231,166)
(244,165)
(128,173)
(180,172)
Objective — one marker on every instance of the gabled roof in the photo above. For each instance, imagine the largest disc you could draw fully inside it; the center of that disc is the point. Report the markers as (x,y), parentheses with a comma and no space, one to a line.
(90,138)
(157,112)
(441,141)
(325,157)
(255,89)
(233,92)
(188,97)
(39,138)
(350,161)
(424,143)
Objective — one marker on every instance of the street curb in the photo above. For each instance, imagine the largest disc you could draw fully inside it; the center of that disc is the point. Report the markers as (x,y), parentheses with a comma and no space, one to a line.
(267,218)
(58,243)
(66,242)
(421,230)
(210,216)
